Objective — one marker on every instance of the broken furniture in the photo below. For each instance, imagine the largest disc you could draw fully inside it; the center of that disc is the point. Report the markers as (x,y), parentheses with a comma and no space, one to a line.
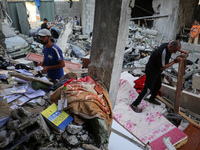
(29,78)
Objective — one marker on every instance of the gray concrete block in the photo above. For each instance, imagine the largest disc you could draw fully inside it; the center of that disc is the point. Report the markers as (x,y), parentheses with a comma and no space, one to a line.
(3,135)
(196,81)
(74,129)
(72,140)
(84,137)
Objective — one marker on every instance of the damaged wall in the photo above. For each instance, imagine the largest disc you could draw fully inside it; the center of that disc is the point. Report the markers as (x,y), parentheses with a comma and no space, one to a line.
(63,8)
(182,12)
(187,12)
(170,7)
(87,15)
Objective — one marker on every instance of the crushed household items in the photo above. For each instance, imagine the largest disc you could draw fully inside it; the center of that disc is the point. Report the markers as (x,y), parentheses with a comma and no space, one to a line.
(39,114)
(73,113)
(30,117)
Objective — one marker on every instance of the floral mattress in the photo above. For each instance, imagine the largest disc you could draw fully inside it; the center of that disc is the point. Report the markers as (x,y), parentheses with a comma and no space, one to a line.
(148,126)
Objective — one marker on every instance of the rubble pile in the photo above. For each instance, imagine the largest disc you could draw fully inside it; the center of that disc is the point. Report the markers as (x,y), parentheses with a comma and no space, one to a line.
(140,43)
(23,125)
(29,130)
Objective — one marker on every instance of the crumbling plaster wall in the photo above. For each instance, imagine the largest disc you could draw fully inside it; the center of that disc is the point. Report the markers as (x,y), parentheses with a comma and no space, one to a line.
(169,7)
(181,13)
(187,12)
(87,15)
(63,8)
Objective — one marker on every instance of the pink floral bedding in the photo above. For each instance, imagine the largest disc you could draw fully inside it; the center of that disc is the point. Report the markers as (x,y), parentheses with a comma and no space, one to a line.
(148,126)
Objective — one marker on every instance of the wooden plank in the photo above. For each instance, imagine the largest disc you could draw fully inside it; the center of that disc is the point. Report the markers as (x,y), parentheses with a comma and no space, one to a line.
(179,85)
(172,107)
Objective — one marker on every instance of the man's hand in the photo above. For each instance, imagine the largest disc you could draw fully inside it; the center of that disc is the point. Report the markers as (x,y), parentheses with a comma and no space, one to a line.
(45,69)
(177,59)
(185,52)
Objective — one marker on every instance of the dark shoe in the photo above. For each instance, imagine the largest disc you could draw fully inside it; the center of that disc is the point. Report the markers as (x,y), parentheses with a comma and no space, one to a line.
(135,109)
(154,102)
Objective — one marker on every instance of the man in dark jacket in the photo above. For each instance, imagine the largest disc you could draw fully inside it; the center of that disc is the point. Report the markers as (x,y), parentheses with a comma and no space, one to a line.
(158,62)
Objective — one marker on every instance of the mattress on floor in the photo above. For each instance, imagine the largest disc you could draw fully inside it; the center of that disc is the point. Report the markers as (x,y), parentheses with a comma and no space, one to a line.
(148,126)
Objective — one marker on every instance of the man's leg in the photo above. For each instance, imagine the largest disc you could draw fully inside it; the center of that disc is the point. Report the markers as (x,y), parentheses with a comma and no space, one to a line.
(141,96)
(149,84)
(155,90)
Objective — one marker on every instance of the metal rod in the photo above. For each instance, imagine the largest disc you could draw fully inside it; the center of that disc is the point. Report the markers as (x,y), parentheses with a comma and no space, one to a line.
(128,138)
(149,17)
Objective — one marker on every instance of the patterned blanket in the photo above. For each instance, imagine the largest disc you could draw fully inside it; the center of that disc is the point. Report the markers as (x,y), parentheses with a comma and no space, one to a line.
(148,126)
(86,99)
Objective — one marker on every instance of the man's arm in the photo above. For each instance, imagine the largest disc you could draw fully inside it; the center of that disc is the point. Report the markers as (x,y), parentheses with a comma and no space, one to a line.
(183,51)
(59,65)
(50,25)
(170,64)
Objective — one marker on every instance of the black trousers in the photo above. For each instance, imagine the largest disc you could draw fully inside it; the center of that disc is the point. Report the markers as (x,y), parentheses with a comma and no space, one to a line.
(152,84)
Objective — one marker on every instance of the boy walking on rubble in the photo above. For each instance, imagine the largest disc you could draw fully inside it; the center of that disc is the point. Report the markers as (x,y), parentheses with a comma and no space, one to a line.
(194,33)
(158,62)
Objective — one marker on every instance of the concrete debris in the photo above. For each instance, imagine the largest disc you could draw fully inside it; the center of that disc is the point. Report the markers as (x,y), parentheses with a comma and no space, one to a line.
(89,147)
(27,128)
(196,81)
(84,137)
(137,72)
(74,129)
(72,140)
(79,148)
(5,139)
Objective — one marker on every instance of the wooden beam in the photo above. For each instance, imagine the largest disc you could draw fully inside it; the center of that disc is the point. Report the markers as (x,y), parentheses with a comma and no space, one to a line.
(179,112)
(179,85)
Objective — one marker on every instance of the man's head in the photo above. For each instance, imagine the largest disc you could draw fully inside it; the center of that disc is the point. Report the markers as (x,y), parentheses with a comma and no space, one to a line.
(75,18)
(45,36)
(174,46)
(45,20)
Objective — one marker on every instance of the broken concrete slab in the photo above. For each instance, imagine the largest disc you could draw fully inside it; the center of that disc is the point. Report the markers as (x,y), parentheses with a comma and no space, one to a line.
(84,137)
(196,81)
(72,140)
(74,129)
(65,36)
(188,101)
